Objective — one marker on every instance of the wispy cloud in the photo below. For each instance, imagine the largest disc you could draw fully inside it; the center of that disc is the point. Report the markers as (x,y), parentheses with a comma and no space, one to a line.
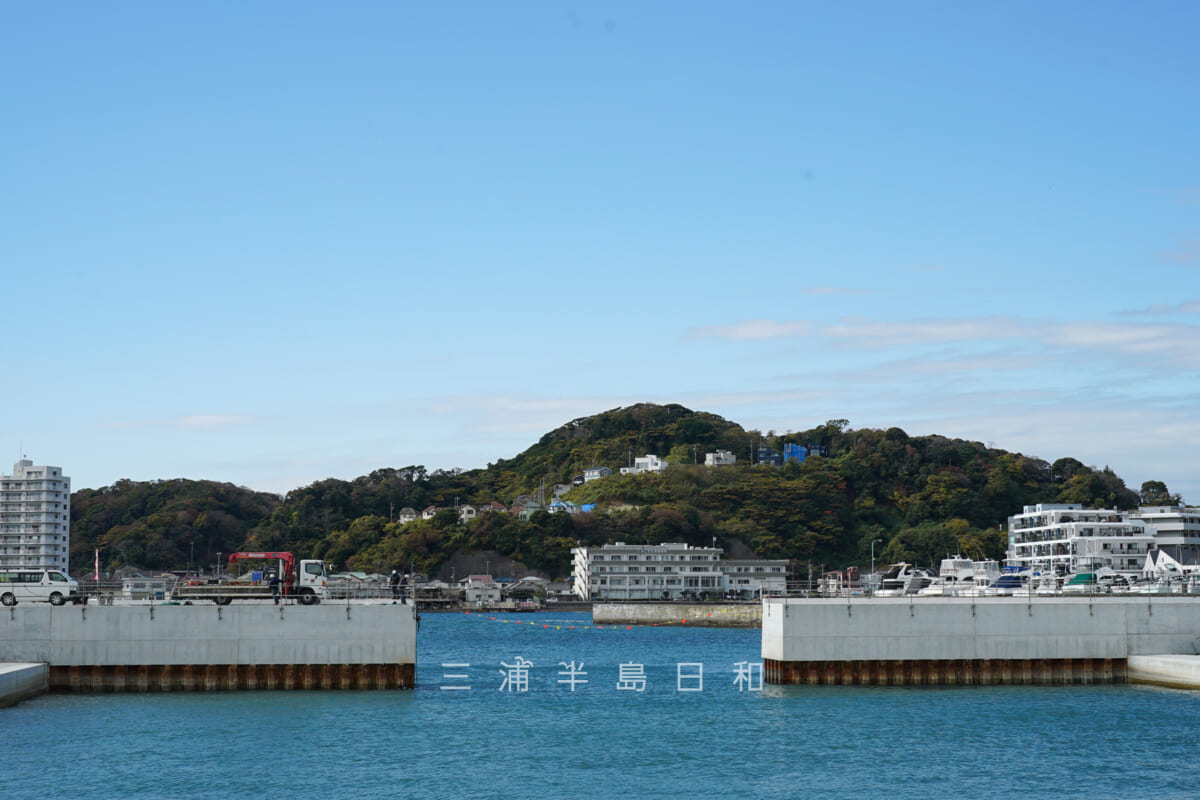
(1174,343)
(1188,252)
(191,422)
(990,363)
(754,329)
(870,333)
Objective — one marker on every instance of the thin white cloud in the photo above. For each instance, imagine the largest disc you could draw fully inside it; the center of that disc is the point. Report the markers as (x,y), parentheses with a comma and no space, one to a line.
(869,333)
(754,329)
(1176,343)
(1188,252)
(990,363)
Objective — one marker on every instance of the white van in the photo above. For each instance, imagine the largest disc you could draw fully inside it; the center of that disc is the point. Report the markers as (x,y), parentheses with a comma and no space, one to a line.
(44,585)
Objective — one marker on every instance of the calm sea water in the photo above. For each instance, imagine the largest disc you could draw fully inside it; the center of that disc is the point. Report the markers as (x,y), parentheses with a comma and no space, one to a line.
(599,741)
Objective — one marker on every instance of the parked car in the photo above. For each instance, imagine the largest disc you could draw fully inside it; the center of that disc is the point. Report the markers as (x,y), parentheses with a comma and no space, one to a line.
(44,585)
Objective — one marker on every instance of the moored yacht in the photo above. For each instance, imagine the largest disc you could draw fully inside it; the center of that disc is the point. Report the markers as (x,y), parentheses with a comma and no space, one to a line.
(903,579)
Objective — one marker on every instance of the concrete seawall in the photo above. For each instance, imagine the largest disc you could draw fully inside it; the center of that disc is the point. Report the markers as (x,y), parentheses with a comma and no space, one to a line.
(710,615)
(21,681)
(182,648)
(889,641)
(1178,672)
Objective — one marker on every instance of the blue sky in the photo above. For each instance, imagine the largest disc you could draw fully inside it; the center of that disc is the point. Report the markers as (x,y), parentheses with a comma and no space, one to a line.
(270,243)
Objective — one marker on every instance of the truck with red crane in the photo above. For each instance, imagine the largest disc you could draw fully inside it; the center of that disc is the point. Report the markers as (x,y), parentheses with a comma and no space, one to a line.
(304,582)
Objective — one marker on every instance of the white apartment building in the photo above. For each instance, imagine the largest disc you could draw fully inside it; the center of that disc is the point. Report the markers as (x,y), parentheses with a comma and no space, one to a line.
(35,517)
(1176,530)
(1068,538)
(672,571)
(647,463)
(748,579)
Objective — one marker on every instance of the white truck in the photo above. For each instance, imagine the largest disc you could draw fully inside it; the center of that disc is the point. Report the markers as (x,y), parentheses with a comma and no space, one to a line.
(306,584)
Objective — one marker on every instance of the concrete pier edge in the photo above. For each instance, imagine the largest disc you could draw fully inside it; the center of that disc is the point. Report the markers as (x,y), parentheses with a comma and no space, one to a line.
(22,681)
(1171,671)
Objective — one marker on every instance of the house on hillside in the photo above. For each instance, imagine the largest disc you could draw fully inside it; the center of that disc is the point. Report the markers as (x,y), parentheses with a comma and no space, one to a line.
(407,515)
(563,507)
(721,458)
(522,504)
(647,463)
(529,510)
(596,473)
(767,455)
(466,513)
(429,512)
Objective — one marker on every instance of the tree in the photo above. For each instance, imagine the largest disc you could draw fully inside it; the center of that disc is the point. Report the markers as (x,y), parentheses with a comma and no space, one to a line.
(1155,493)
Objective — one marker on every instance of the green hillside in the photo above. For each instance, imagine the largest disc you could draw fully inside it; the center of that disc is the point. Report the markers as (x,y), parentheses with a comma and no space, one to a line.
(924,497)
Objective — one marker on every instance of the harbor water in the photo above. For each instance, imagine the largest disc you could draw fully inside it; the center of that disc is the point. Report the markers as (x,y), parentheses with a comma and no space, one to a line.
(666,712)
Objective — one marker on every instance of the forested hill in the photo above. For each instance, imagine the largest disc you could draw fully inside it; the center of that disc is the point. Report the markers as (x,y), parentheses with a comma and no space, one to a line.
(162,524)
(923,496)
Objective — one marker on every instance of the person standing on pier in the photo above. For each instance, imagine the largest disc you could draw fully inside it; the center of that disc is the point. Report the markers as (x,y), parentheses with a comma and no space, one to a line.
(274,584)
(394,580)
(404,589)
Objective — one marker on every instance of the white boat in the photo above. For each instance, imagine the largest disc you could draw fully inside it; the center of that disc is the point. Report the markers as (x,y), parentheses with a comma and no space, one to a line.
(903,579)
(1159,586)
(1010,583)
(962,577)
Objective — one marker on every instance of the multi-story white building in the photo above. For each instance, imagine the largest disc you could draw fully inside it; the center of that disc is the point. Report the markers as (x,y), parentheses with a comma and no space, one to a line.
(1176,530)
(1068,538)
(672,571)
(35,517)
(747,579)
(648,463)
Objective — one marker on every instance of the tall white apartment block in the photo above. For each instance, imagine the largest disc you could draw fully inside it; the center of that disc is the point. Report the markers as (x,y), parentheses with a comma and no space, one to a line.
(1068,538)
(35,517)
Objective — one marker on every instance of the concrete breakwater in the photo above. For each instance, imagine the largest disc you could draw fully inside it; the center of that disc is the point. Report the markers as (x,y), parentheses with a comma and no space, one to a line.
(962,641)
(187,648)
(709,615)
(21,681)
